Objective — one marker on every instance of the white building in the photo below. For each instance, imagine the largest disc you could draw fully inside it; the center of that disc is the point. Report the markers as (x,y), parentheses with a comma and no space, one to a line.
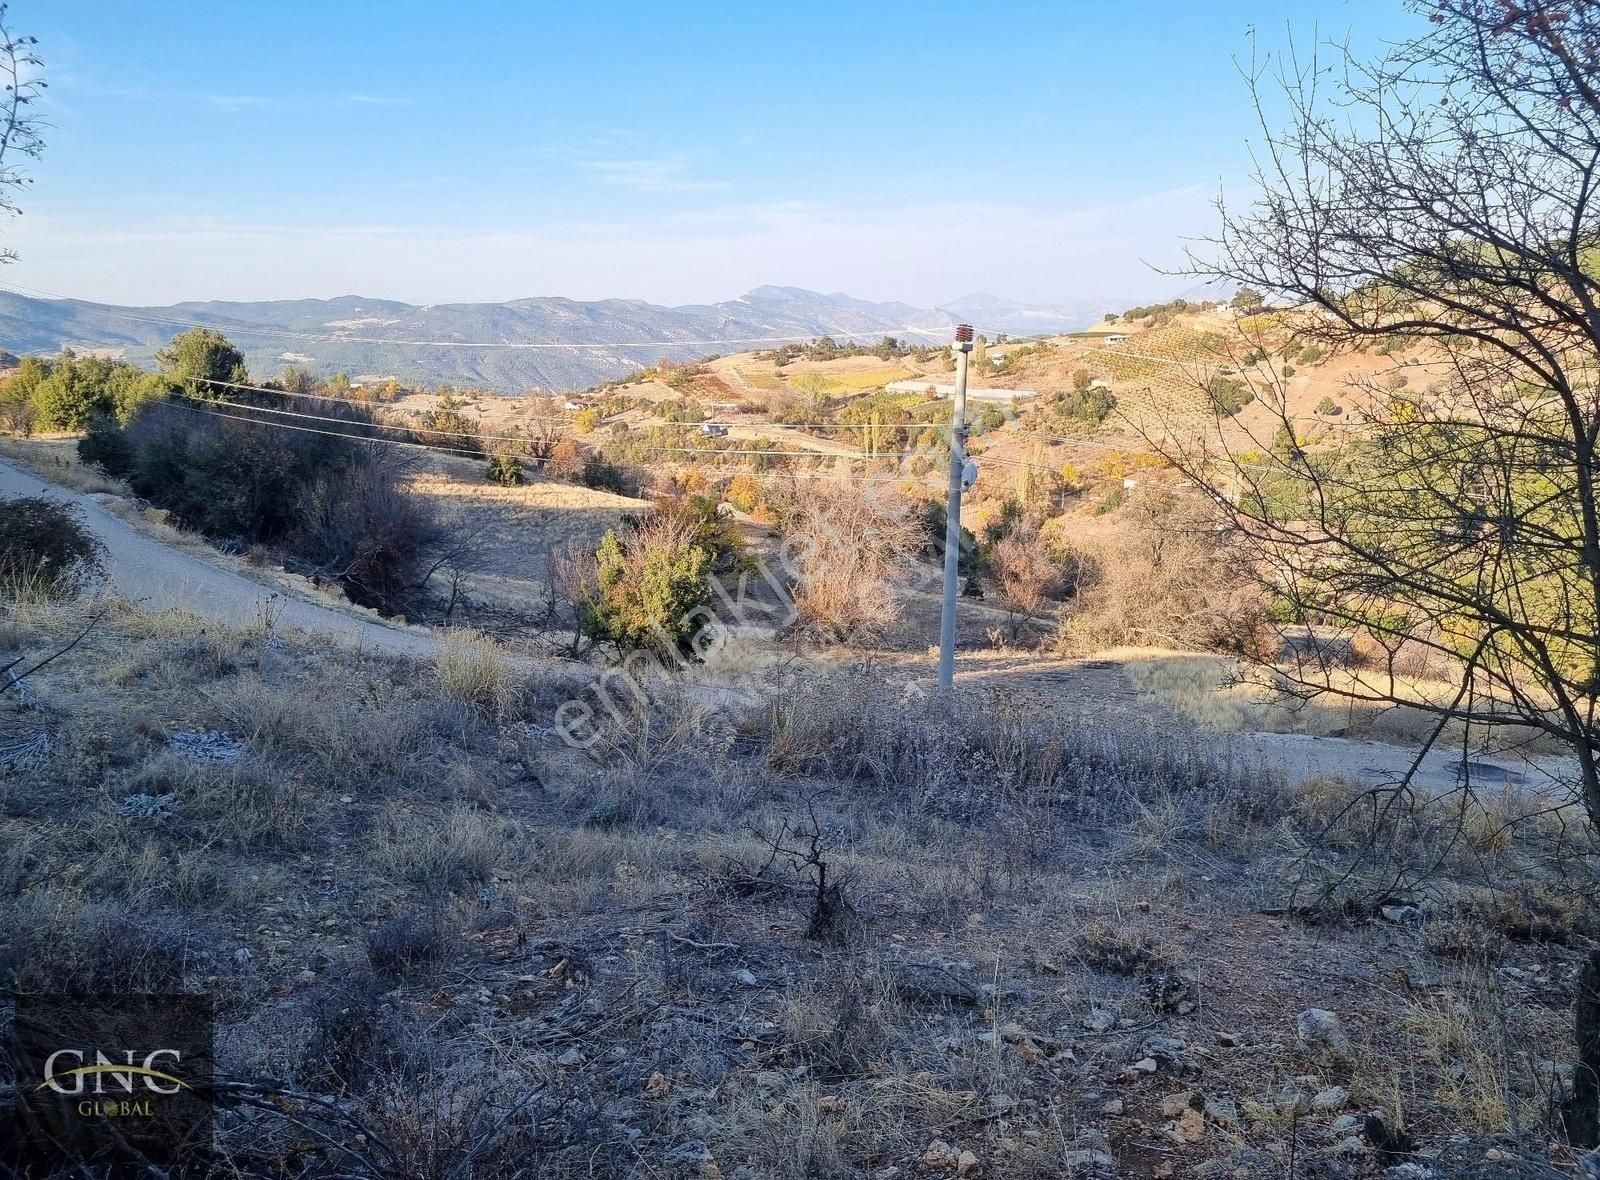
(911,385)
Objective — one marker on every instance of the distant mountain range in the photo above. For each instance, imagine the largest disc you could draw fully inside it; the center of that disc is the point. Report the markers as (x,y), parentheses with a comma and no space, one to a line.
(522,345)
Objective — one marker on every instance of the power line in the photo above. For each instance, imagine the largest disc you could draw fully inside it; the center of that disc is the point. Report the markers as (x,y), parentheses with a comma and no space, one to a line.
(440,448)
(383,442)
(509,438)
(568,417)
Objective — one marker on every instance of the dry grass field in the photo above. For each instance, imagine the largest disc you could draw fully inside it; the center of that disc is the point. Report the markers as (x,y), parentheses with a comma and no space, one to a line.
(828,932)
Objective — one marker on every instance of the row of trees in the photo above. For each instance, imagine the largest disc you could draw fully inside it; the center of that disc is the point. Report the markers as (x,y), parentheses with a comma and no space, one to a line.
(71,391)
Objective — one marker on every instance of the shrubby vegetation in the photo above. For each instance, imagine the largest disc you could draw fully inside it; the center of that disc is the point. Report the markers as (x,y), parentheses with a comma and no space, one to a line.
(45,549)
(1229,395)
(334,508)
(70,391)
(651,588)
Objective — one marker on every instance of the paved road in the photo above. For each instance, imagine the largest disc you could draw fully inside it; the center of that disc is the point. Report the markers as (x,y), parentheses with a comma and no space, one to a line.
(158,577)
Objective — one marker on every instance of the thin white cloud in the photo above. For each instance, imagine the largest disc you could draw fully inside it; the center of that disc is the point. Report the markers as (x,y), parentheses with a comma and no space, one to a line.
(239,102)
(669,174)
(379,100)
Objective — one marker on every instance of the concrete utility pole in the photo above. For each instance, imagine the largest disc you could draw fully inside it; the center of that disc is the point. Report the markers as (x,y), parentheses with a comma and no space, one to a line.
(952,510)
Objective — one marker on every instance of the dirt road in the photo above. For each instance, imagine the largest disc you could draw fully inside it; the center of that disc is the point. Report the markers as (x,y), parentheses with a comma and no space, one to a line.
(158,577)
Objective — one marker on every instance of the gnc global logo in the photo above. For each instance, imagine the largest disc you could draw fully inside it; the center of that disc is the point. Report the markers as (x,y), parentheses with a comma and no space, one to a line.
(111,1088)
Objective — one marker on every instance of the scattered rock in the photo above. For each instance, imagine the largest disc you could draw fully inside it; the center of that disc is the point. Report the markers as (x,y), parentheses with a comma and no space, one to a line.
(744,978)
(1411,1172)
(1100,1020)
(1227,1040)
(692,1152)
(207,745)
(347,798)
(571,1057)
(1320,1030)
(1345,1125)
(1224,1112)
(143,806)
(1174,1105)
(1191,1126)
(1329,1100)
(1089,1156)
(1169,1051)
(941,1155)
(1248,1163)
(1145,1065)
(966,1163)
(1291,1100)
(1166,990)
(1113,1107)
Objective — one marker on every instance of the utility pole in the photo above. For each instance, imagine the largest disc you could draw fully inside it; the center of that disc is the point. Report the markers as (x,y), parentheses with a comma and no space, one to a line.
(952,512)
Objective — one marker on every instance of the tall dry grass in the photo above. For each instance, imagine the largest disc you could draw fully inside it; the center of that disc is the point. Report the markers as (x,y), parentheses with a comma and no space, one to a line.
(473,668)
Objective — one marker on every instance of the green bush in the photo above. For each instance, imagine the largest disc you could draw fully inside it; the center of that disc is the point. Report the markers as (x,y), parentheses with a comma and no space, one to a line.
(1228,396)
(1092,404)
(106,447)
(505,470)
(44,545)
(195,358)
(652,588)
(332,508)
(603,476)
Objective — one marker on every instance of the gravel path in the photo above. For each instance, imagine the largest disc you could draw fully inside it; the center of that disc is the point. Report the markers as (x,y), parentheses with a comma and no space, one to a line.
(158,577)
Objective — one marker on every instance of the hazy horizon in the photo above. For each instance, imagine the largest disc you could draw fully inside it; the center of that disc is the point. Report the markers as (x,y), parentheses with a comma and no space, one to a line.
(904,153)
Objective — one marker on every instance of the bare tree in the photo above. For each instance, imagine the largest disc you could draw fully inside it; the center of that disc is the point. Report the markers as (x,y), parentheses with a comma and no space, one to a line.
(1026,573)
(20,129)
(1438,201)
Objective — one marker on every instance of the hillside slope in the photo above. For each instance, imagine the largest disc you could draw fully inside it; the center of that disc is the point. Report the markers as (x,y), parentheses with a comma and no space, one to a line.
(512,346)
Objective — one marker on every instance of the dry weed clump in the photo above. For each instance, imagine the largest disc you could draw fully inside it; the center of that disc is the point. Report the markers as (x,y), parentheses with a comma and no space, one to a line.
(1108,946)
(439,854)
(345,732)
(473,668)
(848,552)
(855,727)
(55,940)
(1462,1037)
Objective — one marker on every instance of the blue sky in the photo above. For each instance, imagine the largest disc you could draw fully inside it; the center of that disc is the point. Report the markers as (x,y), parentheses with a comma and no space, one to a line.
(677,153)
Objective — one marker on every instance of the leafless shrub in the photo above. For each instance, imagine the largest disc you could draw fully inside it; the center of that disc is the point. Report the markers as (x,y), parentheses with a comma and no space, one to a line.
(1169,580)
(51,940)
(361,528)
(407,941)
(46,549)
(1026,573)
(848,551)
(802,845)
(573,584)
